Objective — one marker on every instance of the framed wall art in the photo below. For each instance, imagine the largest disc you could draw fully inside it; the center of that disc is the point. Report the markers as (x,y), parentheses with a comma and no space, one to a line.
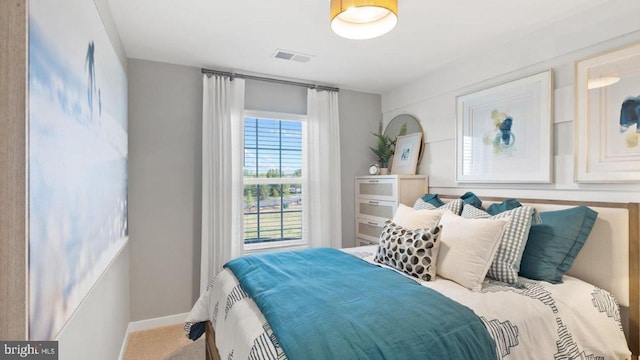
(606,131)
(504,133)
(405,157)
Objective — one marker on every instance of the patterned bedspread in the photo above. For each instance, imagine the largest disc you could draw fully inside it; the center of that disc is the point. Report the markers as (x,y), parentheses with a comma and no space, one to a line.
(573,320)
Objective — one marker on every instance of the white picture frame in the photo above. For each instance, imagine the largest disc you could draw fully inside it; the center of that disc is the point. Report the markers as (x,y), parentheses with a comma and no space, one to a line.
(504,133)
(607,95)
(405,156)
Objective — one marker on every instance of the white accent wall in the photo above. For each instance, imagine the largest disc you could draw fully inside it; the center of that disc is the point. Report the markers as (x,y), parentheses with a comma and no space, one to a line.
(432,99)
(98,327)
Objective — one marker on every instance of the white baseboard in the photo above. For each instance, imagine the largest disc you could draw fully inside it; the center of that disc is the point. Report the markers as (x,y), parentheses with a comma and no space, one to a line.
(157,322)
(150,324)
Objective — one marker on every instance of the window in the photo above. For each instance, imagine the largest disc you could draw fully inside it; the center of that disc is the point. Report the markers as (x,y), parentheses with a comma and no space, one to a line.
(273,178)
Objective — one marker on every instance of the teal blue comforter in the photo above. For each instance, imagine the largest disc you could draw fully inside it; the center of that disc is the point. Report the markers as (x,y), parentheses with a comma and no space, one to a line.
(326,304)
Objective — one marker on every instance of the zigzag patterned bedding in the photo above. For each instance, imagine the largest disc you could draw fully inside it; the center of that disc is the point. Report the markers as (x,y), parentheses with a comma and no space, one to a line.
(573,320)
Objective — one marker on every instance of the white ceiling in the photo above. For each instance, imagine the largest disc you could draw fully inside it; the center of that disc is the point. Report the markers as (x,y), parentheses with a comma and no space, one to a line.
(242,35)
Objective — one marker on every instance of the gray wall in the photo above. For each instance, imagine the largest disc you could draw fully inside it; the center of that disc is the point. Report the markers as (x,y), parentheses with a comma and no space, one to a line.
(165,162)
(274,97)
(165,166)
(98,327)
(360,114)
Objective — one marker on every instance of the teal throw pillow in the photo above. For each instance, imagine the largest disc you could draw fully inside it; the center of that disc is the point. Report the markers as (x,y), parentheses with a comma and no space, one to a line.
(506,205)
(554,244)
(433,199)
(471,199)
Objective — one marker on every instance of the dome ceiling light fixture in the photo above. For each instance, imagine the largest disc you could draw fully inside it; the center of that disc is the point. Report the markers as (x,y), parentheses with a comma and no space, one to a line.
(363,19)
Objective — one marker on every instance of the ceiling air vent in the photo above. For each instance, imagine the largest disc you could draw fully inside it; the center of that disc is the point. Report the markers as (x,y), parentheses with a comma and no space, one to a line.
(284,55)
(291,56)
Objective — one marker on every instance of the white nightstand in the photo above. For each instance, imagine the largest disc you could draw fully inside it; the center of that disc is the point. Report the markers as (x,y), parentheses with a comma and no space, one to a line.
(377,198)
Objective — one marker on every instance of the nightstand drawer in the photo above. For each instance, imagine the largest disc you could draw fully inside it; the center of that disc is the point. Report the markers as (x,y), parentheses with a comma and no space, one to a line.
(369,229)
(384,189)
(375,209)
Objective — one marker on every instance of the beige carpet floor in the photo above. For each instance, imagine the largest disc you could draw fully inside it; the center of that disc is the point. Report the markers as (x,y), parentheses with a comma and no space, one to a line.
(164,343)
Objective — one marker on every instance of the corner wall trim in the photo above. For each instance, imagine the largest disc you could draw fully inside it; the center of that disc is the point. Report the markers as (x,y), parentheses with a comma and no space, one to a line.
(150,324)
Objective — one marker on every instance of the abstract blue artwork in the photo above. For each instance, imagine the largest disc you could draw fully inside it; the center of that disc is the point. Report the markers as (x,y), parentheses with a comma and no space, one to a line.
(503,133)
(77,159)
(607,118)
(504,139)
(629,116)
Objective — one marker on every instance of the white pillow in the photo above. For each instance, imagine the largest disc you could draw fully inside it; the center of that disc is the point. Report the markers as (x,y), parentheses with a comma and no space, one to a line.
(506,264)
(467,248)
(412,219)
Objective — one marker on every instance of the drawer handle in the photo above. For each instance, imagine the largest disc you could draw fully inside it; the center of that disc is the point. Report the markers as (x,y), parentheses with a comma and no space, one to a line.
(372,223)
(374,181)
(373,202)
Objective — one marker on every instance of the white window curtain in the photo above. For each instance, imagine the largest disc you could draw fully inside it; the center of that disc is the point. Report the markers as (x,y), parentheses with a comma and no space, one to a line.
(222,172)
(322,203)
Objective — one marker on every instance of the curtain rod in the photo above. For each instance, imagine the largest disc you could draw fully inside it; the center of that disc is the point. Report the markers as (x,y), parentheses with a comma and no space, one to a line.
(261,78)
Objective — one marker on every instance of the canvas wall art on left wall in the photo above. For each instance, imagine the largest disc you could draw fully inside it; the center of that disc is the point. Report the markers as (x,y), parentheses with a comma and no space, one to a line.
(77,159)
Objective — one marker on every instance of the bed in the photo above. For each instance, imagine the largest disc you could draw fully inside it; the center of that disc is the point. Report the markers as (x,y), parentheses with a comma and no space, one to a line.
(585,316)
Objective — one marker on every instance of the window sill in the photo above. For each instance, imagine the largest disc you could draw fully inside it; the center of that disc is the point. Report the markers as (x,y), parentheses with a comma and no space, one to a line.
(275,246)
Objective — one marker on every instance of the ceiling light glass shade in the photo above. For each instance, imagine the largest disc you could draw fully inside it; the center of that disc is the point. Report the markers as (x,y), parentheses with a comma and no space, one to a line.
(363,19)
(603,81)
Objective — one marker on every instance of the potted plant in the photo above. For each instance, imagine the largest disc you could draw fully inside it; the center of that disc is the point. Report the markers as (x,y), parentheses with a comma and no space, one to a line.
(384,150)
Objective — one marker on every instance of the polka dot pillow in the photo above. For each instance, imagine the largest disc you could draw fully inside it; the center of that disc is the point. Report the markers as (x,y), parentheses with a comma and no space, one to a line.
(413,252)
